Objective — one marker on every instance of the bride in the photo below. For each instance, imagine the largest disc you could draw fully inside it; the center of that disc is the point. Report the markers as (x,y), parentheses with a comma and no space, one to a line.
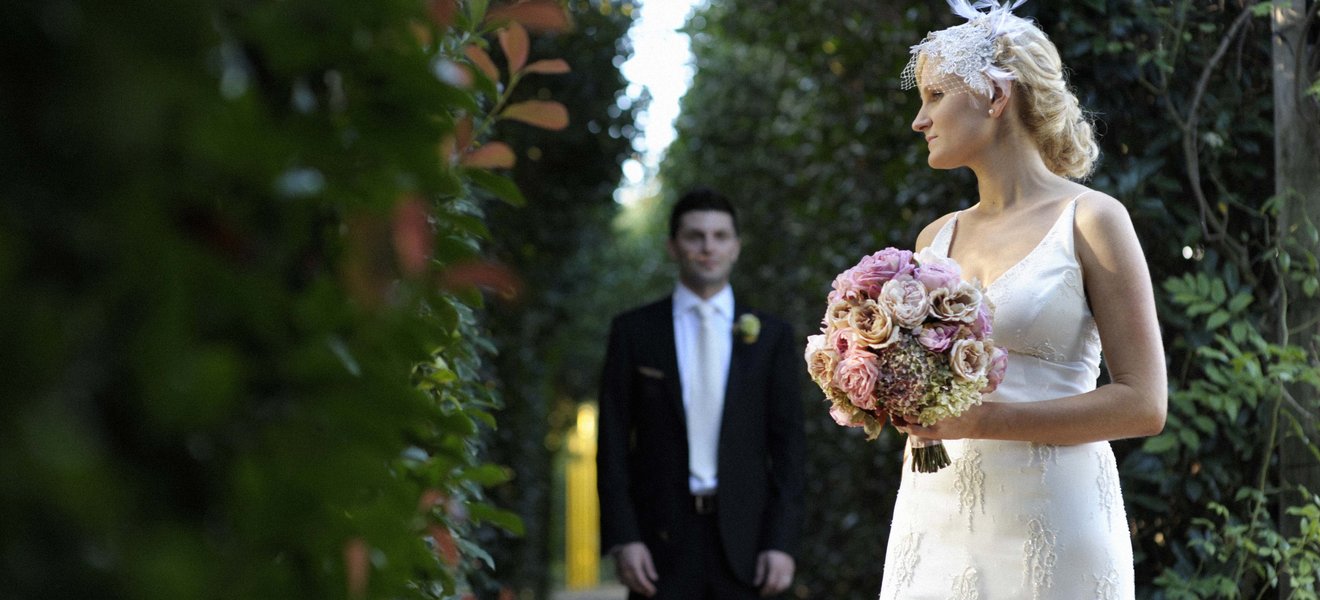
(1030,506)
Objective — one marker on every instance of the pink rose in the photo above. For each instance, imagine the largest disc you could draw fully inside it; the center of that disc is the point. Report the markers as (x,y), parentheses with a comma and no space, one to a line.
(869,275)
(937,272)
(939,275)
(983,326)
(846,415)
(844,289)
(937,337)
(994,374)
(841,340)
(856,284)
(892,262)
(856,376)
(906,299)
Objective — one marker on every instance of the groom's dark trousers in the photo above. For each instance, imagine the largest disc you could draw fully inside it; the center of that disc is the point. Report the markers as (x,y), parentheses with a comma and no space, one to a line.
(702,548)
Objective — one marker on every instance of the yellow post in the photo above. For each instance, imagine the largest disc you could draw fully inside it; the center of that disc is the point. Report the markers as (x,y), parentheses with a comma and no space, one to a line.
(582,523)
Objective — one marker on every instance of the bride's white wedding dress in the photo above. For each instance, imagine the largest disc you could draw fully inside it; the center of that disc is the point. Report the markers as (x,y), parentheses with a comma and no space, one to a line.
(1018,520)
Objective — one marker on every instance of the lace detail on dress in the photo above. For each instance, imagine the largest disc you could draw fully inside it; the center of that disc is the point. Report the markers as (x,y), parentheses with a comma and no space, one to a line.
(1043,350)
(1040,556)
(1106,588)
(970,484)
(965,586)
(1042,455)
(1107,484)
(906,565)
(1093,337)
(1073,280)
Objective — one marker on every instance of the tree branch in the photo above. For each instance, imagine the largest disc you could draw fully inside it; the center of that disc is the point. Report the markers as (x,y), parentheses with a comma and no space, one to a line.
(1190,142)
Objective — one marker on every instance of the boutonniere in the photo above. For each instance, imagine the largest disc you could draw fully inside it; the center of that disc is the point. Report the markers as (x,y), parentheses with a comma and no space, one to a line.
(747,327)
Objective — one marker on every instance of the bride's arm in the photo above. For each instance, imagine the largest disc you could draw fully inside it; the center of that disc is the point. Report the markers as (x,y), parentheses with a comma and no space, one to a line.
(1122,300)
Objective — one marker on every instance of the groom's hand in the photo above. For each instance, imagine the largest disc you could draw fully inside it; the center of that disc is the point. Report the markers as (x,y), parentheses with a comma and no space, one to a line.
(636,570)
(774,572)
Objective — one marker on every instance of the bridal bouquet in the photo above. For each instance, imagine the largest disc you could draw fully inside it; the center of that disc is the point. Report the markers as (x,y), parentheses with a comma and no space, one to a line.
(906,338)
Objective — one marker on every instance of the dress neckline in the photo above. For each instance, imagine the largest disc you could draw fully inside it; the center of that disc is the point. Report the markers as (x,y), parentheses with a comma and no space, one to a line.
(953,231)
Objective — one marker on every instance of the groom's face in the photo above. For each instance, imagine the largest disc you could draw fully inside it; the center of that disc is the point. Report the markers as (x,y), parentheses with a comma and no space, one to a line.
(705,247)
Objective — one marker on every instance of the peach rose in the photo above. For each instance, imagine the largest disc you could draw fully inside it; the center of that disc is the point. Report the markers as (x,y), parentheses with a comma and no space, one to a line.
(872,325)
(837,314)
(821,360)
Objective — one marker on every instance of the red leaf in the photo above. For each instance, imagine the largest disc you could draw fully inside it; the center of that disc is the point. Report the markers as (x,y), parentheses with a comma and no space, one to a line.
(445,547)
(554,66)
(463,134)
(421,32)
(541,113)
(513,39)
(413,240)
(482,60)
(486,275)
(355,567)
(430,498)
(494,155)
(536,15)
(442,12)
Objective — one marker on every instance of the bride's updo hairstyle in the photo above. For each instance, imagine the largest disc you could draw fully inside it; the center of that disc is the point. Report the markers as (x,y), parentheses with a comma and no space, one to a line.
(995,50)
(1048,108)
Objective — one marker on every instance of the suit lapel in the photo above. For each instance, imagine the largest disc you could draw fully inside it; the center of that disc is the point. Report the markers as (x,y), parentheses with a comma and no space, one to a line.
(739,360)
(663,329)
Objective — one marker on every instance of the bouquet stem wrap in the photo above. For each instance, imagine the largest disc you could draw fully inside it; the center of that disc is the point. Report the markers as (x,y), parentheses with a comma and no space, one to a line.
(928,456)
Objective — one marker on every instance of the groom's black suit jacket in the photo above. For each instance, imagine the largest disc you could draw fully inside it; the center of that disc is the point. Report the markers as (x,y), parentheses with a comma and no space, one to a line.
(642,455)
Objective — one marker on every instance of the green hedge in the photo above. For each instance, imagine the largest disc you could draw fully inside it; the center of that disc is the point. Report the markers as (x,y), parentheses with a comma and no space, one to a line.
(239,251)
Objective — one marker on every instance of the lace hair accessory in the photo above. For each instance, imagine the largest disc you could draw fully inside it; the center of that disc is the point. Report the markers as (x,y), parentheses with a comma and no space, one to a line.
(962,56)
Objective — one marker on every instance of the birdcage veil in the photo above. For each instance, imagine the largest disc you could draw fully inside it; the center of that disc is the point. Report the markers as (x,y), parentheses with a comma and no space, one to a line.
(961,58)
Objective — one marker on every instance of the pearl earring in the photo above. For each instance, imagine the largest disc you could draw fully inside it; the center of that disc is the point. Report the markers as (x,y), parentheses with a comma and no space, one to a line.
(990,112)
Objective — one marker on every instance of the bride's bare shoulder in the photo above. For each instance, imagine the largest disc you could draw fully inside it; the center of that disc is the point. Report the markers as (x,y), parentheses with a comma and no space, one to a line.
(928,234)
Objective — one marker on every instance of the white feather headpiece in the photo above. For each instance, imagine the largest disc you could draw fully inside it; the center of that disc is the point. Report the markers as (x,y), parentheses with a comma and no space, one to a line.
(967,51)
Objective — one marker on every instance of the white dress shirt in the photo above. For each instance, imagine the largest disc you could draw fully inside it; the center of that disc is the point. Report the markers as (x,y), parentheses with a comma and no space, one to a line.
(687,329)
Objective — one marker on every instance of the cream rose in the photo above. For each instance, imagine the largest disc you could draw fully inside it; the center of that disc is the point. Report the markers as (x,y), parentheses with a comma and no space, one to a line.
(837,314)
(906,299)
(969,359)
(821,360)
(961,304)
(872,325)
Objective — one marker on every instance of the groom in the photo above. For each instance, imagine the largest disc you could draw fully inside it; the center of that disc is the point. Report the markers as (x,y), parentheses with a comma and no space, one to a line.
(701,444)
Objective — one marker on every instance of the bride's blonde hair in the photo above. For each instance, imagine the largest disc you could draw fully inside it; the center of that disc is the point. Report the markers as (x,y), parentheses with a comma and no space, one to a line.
(1048,108)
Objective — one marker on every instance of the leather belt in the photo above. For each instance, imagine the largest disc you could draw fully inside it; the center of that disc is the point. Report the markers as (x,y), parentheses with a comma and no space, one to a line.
(703,504)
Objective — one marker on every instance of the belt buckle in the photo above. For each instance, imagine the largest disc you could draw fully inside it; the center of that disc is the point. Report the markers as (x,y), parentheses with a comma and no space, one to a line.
(704,504)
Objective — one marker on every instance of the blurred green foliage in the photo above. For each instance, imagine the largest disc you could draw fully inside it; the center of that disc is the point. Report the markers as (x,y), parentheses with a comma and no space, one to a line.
(795,111)
(563,248)
(240,253)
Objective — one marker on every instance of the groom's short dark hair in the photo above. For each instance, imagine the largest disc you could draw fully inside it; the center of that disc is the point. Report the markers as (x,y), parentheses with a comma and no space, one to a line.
(700,198)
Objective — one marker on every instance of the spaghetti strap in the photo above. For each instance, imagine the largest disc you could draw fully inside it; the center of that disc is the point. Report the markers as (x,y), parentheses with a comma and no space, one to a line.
(944,237)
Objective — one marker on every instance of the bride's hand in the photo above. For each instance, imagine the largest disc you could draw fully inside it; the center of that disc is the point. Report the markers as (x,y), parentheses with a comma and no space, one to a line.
(954,428)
